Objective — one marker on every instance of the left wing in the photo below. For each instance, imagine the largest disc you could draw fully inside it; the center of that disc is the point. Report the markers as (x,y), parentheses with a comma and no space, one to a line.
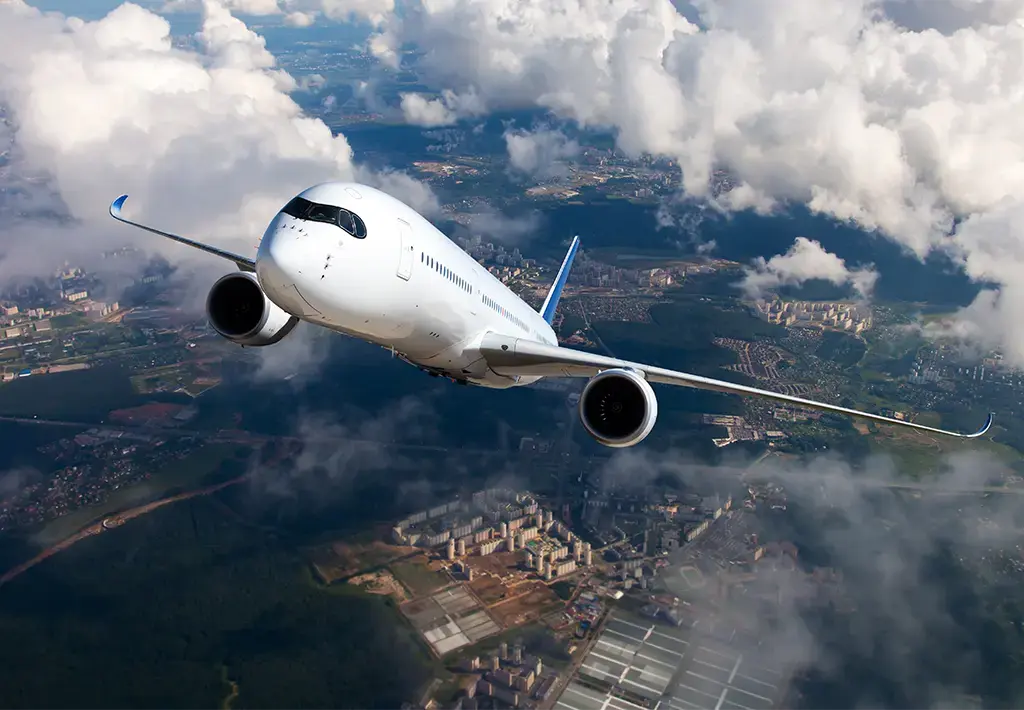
(243,263)
(520,356)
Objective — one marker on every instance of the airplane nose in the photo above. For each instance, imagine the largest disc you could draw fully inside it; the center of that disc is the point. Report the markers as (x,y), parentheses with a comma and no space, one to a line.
(280,262)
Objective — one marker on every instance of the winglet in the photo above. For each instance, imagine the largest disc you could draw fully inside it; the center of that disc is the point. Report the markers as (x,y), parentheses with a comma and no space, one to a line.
(985,428)
(547,311)
(116,205)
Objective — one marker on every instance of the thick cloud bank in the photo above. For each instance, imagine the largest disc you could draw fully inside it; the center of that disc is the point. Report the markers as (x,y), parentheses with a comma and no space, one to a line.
(207,142)
(929,579)
(299,13)
(901,116)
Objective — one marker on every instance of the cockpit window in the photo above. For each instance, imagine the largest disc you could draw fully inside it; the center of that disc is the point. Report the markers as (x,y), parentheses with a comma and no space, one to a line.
(301,208)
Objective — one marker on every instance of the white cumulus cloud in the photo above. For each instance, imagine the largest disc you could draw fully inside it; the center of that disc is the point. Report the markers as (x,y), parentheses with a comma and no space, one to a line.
(298,13)
(208,143)
(900,116)
(804,261)
(542,153)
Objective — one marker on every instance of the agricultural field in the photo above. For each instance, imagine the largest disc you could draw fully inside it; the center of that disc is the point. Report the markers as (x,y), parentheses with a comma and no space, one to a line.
(341,560)
(420,575)
(526,603)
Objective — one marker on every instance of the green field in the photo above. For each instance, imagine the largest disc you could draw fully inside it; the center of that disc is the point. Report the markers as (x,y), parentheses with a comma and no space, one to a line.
(71,320)
(921,455)
(418,578)
(86,395)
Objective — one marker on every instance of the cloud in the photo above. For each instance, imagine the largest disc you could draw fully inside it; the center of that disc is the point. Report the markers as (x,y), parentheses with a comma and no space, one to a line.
(207,143)
(300,19)
(311,82)
(684,217)
(540,154)
(491,224)
(242,7)
(444,110)
(922,572)
(336,448)
(298,357)
(297,13)
(900,116)
(804,261)
(413,192)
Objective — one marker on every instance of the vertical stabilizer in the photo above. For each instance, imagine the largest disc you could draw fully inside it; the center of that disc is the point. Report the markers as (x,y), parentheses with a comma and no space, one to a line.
(547,311)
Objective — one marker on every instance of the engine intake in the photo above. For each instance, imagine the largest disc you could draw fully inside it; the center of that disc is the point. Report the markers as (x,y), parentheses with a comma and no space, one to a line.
(240,311)
(618,408)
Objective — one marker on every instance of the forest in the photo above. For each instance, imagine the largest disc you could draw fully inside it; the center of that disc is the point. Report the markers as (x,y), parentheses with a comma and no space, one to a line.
(162,611)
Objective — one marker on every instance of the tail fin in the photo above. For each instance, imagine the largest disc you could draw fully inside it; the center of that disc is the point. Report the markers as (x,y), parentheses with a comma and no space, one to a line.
(547,311)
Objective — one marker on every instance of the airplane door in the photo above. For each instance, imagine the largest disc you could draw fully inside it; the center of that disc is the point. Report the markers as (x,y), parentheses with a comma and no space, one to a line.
(406,250)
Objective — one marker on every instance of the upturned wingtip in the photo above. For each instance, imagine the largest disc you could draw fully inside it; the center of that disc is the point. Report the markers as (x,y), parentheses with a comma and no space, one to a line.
(116,205)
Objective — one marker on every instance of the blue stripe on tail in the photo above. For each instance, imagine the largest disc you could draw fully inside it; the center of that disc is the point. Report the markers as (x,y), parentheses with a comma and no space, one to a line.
(547,311)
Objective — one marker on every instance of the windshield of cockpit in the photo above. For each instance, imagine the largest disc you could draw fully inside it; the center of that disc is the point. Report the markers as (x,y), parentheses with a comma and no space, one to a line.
(301,208)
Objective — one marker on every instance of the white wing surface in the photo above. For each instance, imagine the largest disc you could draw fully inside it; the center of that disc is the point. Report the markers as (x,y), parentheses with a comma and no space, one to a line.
(244,263)
(512,357)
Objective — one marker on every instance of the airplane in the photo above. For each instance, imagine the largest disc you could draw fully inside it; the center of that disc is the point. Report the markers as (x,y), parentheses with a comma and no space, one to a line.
(355,260)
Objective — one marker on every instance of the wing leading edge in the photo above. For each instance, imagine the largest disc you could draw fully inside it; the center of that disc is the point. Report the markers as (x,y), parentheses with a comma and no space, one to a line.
(520,356)
(245,264)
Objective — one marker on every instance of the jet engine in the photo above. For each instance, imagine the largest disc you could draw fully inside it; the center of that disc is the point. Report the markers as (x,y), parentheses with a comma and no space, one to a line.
(618,408)
(240,311)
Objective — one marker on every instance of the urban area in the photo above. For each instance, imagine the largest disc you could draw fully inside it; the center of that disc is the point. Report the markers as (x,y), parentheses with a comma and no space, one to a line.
(612,599)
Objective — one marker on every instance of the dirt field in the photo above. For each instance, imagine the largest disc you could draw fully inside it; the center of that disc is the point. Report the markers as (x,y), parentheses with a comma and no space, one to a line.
(382,582)
(498,563)
(340,560)
(532,601)
(489,589)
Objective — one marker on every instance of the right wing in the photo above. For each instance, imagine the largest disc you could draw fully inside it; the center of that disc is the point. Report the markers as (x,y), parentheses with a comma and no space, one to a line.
(512,357)
(244,263)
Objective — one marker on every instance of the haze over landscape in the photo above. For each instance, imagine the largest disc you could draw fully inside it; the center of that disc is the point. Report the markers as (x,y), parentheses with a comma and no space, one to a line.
(820,198)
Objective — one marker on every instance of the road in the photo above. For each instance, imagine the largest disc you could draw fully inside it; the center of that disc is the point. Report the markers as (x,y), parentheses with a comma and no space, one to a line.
(110,523)
(242,437)
(566,676)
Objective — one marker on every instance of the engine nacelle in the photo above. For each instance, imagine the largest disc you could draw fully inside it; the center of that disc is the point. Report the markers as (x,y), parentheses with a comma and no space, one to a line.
(240,311)
(618,408)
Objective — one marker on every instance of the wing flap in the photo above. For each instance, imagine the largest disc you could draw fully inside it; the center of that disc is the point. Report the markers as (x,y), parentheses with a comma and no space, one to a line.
(521,356)
(243,263)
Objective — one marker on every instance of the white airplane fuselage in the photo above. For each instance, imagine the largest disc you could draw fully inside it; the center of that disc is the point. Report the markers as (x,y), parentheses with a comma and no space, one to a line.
(352,259)
(404,286)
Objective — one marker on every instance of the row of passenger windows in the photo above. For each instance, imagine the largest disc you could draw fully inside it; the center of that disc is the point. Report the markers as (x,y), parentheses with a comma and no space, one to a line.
(466,286)
(501,310)
(446,272)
